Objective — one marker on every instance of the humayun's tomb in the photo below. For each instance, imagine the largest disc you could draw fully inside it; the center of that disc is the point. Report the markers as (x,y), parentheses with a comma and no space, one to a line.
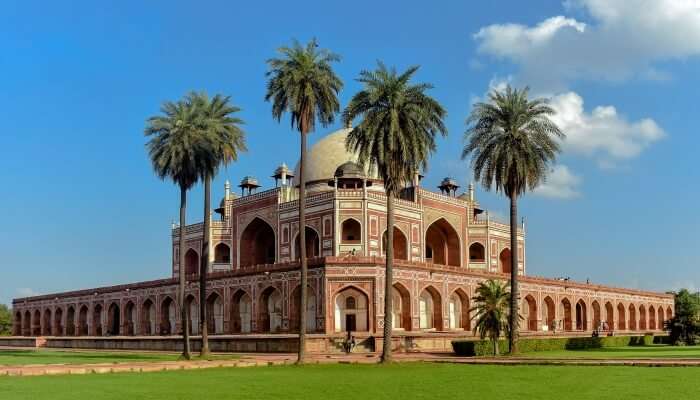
(445,244)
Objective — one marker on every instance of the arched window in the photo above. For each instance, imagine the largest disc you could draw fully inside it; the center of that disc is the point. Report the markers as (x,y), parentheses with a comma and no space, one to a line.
(257,244)
(270,310)
(529,312)
(400,244)
(191,262)
(442,240)
(241,312)
(222,253)
(351,315)
(429,309)
(313,244)
(504,261)
(351,231)
(350,303)
(477,253)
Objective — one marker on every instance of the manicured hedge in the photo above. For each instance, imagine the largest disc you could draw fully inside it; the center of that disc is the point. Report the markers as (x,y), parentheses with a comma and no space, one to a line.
(526,345)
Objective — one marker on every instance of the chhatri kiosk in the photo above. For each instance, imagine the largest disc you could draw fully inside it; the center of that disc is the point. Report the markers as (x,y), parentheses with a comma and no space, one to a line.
(445,244)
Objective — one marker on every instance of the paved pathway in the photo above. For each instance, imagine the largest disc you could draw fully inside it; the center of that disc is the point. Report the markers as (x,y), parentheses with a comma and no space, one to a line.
(268,359)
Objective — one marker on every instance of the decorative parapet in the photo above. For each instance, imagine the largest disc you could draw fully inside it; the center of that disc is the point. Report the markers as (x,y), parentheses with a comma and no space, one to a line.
(442,198)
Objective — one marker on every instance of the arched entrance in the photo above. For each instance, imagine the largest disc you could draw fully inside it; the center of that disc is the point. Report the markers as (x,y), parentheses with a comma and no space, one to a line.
(504,261)
(215,314)
(58,322)
(609,317)
(661,318)
(191,262)
(129,317)
(442,244)
(46,323)
(529,312)
(310,309)
(97,320)
(168,317)
(241,312)
(642,317)
(148,318)
(581,316)
(70,321)
(83,328)
(596,314)
(400,244)
(222,253)
(621,319)
(549,313)
(477,252)
(270,311)
(313,244)
(652,318)
(351,311)
(632,326)
(17,326)
(400,308)
(430,309)
(27,327)
(257,244)
(113,320)
(669,313)
(565,312)
(193,313)
(351,231)
(36,323)
(458,310)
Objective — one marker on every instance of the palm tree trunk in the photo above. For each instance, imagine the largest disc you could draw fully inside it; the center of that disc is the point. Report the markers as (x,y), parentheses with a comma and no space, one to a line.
(388,278)
(182,277)
(302,248)
(204,268)
(515,296)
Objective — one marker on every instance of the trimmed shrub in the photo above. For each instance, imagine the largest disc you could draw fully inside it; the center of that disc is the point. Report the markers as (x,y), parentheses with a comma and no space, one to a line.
(485,347)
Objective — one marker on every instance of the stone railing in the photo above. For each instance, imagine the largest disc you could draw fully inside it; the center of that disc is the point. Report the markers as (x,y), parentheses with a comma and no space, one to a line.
(441,198)
(256,196)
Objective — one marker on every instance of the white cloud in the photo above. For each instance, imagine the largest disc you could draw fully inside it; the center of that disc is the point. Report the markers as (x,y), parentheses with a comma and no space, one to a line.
(561,183)
(624,39)
(602,134)
(26,292)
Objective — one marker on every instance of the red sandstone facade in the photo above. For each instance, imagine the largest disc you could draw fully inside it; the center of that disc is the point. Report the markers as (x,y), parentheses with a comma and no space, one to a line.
(444,248)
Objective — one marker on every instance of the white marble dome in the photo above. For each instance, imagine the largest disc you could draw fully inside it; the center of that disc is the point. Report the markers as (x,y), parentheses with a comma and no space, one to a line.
(325,156)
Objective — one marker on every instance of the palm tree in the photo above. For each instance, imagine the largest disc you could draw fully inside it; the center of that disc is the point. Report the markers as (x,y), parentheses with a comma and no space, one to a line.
(176,148)
(491,310)
(395,137)
(221,129)
(303,84)
(512,142)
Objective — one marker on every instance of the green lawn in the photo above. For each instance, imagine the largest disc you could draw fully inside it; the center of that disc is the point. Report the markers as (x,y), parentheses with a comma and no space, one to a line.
(399,381)
(655,351)
(26,357)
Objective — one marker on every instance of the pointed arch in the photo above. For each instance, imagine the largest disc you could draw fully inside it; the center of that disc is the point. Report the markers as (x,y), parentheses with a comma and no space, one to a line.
(621,319)
(351,310)
(311,309)
(70,321)
(270,310)
(58,321)
(148,318)
(400,244)
(565,312)
(313,244)
(168,316)
(529,312)
(129,318)
(27,327)
(222,253)
(504,261)
(661,320)
(191,262)
(46,323)
(442,244)
(36,323)
(241,312)
(192,304)
(609,317)
(642,317)
(257,244)
(548,313)
(652,318)
(632,322)
(351,231)
(430,309)
(477,252)
(581,315)
(458,310)
(215,314)
(596,315)
(400,307)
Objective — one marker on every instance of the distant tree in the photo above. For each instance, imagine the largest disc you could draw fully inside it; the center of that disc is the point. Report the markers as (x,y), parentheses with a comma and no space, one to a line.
(512,142)
(221,129)
(490,311)
(5,320)
(396,135)
(303,84)
(177,148)
(684,327)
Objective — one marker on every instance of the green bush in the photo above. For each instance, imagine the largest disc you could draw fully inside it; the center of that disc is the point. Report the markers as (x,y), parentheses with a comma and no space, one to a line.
(485,347)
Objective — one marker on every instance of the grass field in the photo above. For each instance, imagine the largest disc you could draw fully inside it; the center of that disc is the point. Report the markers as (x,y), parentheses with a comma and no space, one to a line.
(342,381)
(27,357)
(655,351)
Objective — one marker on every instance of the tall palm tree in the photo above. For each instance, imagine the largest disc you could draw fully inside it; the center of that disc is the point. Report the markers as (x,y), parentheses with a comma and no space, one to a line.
(303,84)
(395,137)
(491,310)
(512,142)
(221,129)
(175,148)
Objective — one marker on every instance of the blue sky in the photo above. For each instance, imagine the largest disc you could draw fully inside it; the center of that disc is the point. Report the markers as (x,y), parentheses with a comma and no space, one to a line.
(81,206)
